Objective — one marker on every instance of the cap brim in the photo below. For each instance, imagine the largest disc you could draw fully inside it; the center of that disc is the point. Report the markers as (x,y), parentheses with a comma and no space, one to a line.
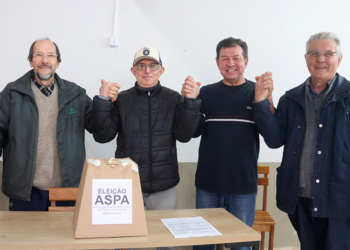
(145,57)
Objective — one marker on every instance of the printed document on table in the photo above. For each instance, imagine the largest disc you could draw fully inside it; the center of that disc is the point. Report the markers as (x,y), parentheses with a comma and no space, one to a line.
(190,227)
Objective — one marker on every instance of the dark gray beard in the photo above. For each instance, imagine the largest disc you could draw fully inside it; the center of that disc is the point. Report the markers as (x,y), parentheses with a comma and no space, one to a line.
(44,77)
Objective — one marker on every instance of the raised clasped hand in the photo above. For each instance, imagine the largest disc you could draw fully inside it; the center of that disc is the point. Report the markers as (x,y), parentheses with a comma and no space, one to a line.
(190,88)
(109,89)
(263,87)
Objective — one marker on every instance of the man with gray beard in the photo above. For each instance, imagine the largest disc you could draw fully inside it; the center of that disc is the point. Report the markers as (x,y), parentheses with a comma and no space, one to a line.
(42,126)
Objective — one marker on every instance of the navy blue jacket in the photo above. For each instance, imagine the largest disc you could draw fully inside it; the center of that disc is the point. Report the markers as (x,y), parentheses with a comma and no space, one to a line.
(331,191)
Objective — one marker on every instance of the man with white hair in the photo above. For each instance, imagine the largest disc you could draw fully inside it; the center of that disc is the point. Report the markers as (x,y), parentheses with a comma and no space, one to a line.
(312,122)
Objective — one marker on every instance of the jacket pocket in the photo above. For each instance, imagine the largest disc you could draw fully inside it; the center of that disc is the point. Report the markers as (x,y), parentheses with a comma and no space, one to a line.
(174,152)
(119,153)
(283,185)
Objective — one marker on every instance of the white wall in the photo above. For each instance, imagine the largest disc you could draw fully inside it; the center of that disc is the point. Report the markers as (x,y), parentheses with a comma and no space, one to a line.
(185,32)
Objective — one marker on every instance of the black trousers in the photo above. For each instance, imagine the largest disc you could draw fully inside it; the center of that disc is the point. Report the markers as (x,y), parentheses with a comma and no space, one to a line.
(317,233)
(39,201)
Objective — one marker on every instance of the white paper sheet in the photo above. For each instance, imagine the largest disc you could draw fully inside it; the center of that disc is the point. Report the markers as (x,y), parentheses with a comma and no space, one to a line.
(190,227)
(111,201)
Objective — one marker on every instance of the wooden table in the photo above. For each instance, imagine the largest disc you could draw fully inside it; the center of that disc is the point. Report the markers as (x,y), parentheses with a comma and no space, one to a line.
(54,230)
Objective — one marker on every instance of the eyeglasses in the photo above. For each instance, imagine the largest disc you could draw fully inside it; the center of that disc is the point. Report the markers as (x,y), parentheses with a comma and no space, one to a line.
(317,54)
(40,56)
(143,67)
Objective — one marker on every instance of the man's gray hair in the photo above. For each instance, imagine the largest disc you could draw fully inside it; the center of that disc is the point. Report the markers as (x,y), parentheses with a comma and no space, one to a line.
(325,35)
(31,50)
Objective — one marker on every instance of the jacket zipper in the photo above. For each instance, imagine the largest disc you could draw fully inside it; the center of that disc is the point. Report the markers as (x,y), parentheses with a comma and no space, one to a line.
(150,162)
(297,163)
(36,143)
(61,105)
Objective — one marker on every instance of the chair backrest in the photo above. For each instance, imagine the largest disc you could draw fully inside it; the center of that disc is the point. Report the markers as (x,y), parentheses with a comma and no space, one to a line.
(263,180)
(62,194)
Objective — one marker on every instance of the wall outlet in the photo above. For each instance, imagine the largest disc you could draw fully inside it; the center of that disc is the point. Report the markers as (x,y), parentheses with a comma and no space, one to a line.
(114,41)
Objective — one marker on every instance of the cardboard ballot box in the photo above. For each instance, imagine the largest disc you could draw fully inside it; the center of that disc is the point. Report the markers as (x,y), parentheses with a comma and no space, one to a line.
(109,202)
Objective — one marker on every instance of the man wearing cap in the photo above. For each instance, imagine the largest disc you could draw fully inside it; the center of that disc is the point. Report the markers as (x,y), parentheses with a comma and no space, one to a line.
(147,119)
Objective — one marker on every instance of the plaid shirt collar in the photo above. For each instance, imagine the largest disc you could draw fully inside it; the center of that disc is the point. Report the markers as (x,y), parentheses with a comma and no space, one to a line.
(46,91)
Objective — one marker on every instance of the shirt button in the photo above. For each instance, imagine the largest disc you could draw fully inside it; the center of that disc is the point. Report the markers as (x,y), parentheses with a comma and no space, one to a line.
(320,125)
(319,152)
(298,126)
(315,209)
(317,181)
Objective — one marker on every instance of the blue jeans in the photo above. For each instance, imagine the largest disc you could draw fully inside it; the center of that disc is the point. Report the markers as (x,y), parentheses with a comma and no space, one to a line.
(241,206)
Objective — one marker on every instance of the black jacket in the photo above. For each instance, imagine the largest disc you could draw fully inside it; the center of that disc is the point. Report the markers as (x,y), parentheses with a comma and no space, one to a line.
(148,123)
(19,123)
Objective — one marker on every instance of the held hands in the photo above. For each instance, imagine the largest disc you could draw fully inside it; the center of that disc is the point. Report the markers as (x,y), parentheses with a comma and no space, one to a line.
(190,88)
(109,89)
(263,87)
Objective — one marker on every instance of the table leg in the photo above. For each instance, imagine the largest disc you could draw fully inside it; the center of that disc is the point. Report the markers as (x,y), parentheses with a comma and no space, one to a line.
(219,247)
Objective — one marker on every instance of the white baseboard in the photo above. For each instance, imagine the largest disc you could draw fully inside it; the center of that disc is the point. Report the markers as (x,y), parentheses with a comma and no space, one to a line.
(287,248)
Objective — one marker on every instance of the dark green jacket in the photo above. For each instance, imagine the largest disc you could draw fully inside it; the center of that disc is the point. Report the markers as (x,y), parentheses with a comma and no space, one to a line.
(19,123)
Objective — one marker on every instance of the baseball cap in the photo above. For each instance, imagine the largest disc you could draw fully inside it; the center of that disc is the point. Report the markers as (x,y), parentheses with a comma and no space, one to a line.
(147,52)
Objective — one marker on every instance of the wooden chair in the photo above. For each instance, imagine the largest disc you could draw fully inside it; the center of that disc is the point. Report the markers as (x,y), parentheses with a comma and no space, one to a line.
(62,194)
(263,221)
